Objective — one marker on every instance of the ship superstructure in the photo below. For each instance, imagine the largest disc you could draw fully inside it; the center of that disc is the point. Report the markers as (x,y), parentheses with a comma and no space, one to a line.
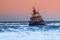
(36,18)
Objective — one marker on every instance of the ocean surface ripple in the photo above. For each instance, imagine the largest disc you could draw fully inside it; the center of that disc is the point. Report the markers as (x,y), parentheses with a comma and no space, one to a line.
(22,31)
(4,27)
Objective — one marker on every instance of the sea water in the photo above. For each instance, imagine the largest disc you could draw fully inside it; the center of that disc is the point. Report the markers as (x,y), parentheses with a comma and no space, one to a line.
(22,31)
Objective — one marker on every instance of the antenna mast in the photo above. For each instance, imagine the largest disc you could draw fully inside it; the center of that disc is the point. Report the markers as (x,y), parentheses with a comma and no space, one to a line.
(35,4)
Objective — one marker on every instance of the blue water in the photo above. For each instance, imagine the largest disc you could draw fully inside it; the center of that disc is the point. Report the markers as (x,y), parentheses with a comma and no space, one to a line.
(24,26)
(22,31)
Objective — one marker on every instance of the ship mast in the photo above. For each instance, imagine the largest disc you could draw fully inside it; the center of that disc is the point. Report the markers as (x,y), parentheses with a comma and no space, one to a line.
(35,3)
(35,12)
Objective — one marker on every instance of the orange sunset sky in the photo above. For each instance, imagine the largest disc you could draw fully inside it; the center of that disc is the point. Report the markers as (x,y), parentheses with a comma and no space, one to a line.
(22,9)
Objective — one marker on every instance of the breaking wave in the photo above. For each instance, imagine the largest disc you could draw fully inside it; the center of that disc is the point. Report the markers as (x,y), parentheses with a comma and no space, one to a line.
(10,27)
(22,31)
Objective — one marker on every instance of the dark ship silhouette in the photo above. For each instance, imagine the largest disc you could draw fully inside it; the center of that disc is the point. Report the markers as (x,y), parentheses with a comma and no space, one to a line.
(36,18)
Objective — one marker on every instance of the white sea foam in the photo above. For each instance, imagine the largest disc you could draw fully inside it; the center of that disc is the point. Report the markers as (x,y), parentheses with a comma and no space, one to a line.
(30,35)
(54,24)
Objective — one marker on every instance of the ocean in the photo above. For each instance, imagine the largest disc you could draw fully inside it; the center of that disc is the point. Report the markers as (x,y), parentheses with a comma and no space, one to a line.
(22,31)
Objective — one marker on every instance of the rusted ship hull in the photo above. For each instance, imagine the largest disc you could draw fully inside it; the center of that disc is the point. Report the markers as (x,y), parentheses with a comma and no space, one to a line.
(33,23)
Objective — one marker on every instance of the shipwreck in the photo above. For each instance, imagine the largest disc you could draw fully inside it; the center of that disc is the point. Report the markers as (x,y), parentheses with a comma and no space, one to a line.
(36,18)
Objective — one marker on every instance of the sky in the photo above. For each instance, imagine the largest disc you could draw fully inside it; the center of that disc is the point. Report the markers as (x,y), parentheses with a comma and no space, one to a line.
(21,10)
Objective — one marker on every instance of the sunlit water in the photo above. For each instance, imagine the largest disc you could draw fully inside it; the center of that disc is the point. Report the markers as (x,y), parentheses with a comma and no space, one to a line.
(22,31)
